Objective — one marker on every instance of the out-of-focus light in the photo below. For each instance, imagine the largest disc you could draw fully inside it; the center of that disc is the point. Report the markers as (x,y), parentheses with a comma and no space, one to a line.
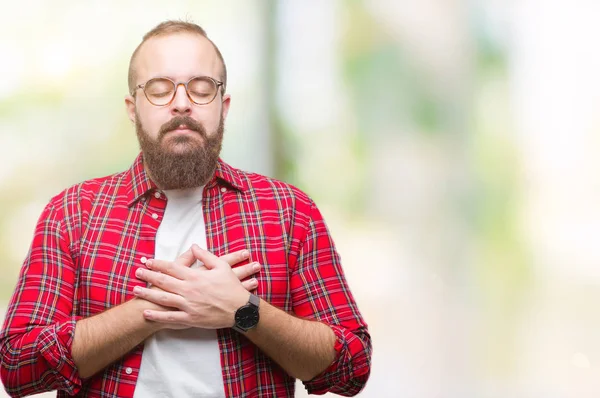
(57,61)
(579,360)
(11,67)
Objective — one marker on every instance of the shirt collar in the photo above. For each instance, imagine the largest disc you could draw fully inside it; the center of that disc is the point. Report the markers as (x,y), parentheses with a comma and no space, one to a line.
(139,183)
(225,174)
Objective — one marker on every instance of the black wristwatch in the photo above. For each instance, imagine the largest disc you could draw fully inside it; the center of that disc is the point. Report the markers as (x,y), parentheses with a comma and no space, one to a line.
(246,317)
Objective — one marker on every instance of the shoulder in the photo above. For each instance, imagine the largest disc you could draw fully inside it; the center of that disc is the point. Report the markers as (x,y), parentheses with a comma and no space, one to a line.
(85,193)
(267,188)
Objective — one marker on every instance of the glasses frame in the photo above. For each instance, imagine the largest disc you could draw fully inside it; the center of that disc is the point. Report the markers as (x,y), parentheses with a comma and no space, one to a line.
(176,85)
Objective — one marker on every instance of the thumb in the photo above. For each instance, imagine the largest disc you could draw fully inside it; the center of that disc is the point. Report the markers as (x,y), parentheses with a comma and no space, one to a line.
(210,260)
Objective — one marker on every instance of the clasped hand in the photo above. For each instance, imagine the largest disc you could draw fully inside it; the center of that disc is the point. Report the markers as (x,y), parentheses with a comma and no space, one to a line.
(205,297)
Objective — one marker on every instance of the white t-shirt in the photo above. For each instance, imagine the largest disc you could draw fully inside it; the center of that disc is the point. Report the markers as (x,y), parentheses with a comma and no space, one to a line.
(181,363)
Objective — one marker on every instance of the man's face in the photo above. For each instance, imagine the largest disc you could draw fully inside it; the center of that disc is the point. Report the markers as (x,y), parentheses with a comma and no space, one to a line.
(180,141)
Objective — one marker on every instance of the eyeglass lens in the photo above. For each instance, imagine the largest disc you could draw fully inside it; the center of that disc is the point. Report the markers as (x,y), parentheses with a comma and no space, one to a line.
(160,91)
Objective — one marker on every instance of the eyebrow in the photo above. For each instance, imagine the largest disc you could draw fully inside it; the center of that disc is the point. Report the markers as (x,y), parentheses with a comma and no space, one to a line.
(184,80)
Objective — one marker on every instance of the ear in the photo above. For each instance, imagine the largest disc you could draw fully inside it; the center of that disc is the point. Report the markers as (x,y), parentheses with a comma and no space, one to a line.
(226,104)
(130,107)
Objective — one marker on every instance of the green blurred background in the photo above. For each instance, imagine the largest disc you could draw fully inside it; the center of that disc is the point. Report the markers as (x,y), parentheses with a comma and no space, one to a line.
(450,144)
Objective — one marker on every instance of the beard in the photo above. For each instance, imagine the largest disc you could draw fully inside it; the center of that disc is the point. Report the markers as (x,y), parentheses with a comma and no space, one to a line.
(183,161)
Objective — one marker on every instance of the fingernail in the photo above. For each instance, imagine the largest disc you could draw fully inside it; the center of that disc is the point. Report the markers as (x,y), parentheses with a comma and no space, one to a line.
(149,264)
(256,267)
(148,314)
(253,282)
(245,254)
(137,290)
(139,272)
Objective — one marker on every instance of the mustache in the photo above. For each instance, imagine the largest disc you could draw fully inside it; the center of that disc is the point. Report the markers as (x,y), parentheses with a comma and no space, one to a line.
(179,121)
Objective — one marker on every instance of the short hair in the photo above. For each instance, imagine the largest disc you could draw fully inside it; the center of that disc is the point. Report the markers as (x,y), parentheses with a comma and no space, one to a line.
(171,27)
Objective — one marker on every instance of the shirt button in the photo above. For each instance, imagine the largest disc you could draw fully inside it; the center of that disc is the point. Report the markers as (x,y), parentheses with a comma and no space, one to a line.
(223,189)
(157,194)
(143,260)
(154,215)
(129,371)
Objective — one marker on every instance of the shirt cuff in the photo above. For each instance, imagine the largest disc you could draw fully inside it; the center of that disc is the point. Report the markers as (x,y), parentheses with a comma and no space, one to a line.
(349,372)
(54,343)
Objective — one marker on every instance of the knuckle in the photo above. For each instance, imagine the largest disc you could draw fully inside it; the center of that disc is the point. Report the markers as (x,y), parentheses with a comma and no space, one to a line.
(163,298)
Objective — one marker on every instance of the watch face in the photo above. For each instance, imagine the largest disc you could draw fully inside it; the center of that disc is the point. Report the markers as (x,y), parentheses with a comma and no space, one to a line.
(246,317)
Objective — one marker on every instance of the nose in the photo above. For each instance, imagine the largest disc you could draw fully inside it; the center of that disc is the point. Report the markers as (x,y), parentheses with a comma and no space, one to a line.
(181,104)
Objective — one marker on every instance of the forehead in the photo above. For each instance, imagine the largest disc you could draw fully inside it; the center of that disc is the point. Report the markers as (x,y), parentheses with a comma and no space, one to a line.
(178,56)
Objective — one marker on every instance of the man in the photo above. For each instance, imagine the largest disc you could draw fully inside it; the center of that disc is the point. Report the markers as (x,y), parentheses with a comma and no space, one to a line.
(137,284)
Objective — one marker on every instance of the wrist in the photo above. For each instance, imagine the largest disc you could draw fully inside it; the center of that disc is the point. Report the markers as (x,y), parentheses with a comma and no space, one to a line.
(139,306)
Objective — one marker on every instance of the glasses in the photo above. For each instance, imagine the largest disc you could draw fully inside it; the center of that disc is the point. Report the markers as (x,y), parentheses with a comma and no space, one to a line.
(160,91)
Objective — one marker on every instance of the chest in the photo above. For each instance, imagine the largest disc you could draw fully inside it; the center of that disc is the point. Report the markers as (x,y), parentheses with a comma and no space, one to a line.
(117,240)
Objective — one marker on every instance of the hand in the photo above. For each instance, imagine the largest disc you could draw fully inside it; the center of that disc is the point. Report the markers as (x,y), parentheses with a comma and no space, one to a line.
(205,297)
(187,259)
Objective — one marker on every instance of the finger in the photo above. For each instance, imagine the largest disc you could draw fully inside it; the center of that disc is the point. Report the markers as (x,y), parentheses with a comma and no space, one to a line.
(244,271)
(250,284)
(159,297)
(235,257)
(210,260)
(172,268)
(186,258)
(173,317)
(163,281)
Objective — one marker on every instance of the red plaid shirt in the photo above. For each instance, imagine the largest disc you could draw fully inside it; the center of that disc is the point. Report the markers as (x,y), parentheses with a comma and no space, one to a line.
(91,238)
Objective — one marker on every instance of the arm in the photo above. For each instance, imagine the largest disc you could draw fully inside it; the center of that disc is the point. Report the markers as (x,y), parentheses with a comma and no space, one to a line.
(43,346)
(102,339)
(320,291)
(330,349)
(35,342)
(303,348)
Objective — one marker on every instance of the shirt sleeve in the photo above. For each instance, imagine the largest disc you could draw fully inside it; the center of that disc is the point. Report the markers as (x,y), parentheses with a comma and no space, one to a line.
(320,292)
(36,339)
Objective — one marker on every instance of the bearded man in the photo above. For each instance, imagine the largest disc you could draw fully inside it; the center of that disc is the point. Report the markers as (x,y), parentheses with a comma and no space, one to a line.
(182,276)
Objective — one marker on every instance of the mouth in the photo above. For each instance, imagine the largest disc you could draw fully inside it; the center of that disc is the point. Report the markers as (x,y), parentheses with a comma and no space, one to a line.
(183,129)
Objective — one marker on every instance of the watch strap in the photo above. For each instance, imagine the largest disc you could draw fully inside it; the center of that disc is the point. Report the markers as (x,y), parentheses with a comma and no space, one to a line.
(254,300)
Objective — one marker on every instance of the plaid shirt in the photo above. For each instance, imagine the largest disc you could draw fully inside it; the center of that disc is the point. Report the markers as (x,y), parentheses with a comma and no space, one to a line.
(91,238)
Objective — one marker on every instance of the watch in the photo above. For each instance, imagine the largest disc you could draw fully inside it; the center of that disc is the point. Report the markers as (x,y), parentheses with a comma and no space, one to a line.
(246,317)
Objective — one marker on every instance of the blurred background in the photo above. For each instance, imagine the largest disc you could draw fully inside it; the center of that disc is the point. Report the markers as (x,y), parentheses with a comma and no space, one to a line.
(451,145)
